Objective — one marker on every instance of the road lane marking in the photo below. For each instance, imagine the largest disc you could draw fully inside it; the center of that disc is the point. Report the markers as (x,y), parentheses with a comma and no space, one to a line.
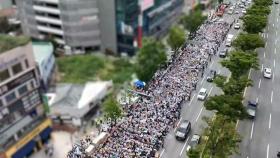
(264,54)
(257,100)
(265,44)
(198,114)
(267,151)
(161,153)
(260,83)
(252,130)
(262,67)
(202,79)
(184,146)
(219,71)
(273,25)
(269,123)
(237,122)
(191,100)
(274,50)
(271,98)
(249,75)
(210,90)
(274,62)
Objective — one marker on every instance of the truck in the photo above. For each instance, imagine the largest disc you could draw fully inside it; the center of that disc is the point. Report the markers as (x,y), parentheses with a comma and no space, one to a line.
(252,109)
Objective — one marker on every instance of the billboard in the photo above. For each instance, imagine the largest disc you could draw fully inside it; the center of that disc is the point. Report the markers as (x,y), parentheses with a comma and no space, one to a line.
(146,4)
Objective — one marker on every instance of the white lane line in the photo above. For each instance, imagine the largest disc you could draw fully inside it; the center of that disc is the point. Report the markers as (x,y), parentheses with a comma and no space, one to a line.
(273,25)
(161,153)
(219,71)
(202,79)
(272,78)
(177,124)
(262,67)
(249,75)
(244,92)
(191,100)
(252,130)
(274,62)
(184,146)
(198,114)
(210,91)
(265,44)
(269,123)
(260,83)
(257,100)
(267,151)
(264,55)
(271,98)
(275,50)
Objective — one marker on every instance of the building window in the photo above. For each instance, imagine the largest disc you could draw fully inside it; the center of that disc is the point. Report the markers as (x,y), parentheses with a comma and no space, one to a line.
(17,68)
(22,90)
(10,97)
(32,84)
(4,75)
(26,63)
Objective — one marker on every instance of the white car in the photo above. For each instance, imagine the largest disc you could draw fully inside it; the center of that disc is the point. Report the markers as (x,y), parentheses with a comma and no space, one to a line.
(267,73)
(236,12)
(237,26)
(194,142)
(244,11)
(202,94)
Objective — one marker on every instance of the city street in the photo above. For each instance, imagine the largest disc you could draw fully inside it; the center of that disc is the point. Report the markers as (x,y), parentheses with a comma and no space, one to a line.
(194,110)
(261,136)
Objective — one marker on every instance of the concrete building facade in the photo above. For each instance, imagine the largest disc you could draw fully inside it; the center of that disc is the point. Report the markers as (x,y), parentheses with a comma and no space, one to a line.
(23,123)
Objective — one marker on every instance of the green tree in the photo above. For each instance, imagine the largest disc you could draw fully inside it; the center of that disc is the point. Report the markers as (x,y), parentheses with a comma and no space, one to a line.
(176,37)
(239,63)
(229,106)
(247,42)
(259,10)
(220,1)
(192,21)
(111,109)
(254,23)
(4,25)
(263,2)
(151,55)
(193,153)
(222,140)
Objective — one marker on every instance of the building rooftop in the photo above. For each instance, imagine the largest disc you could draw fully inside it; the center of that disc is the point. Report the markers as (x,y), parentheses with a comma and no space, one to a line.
(42,51)
(10,42)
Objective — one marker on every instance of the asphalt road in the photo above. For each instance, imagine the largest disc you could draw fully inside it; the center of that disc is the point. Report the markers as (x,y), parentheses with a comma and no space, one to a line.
(261,137)
(194,110)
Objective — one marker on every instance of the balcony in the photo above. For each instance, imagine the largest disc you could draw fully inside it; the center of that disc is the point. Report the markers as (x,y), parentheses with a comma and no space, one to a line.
(48,20)
(50,30)
(49,1)
(46,9)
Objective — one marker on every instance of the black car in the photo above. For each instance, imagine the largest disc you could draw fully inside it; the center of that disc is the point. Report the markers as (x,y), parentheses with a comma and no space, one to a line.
(252,109)
(211,76)
(223,53)
(276,2)
(183,130)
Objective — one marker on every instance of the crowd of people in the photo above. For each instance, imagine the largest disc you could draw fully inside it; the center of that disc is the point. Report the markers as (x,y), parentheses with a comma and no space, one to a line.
(142,131)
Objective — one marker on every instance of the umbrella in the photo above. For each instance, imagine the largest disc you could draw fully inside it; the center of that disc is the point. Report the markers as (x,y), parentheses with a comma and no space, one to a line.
(139,84)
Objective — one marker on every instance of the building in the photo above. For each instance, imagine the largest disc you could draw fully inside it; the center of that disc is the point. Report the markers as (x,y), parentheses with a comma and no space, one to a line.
(74,24)
(24,126)
(45,60)
(74,104)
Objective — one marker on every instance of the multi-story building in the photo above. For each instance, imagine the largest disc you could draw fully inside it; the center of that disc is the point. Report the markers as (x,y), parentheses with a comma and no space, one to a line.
(23,123)
(72,23)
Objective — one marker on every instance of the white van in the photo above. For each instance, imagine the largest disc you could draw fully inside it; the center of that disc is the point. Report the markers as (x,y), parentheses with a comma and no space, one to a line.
(229,40)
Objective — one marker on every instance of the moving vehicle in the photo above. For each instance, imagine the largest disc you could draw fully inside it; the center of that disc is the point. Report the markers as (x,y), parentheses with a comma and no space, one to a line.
(276,2)
(267,73)
(229,40)
(211,76)
(223,53)
(194,142)
(183,130)
(244,11)
(237,26)
(236,12)
(252,109)
(202,94)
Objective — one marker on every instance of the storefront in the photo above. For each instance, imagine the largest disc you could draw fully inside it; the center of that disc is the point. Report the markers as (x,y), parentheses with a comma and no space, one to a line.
(33,141)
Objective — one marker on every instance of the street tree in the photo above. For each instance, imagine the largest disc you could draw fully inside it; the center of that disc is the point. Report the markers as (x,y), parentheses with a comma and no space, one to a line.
(254,23)
(263,2)
(247,42)
(193,153)
(240,62)
(192,21)
(259,10)
(150,57)
(111,109)
(176,37)
(222,138)
(229,106)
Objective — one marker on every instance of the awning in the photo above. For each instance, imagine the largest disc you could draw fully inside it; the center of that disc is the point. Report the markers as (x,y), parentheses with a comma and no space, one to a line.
(139,84)
(45,133)
(25,150)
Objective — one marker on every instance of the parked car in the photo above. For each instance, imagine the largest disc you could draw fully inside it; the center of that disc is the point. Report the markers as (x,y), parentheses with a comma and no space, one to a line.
(267,73)
(244,11)
(183,130)
(237,26)
(223,53)
(211,76)
(252,109)
(194,142)
(202,94)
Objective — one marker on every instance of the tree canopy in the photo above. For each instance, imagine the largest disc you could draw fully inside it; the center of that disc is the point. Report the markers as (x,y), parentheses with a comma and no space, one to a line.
(254,23)
(239,63)
(111,109)
(151,55)
(258,10)
(176,37)
(192,21)
(263,2)
(247,42)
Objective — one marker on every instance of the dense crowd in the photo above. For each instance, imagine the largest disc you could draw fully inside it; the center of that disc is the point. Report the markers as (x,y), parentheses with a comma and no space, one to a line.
(142,131)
